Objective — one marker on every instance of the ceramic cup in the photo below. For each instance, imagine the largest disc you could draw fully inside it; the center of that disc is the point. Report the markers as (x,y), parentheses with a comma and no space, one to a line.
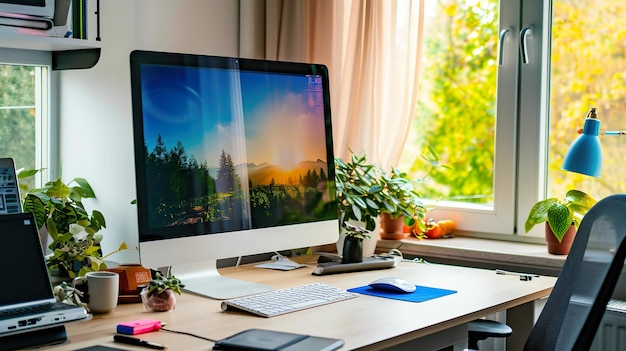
(102,290)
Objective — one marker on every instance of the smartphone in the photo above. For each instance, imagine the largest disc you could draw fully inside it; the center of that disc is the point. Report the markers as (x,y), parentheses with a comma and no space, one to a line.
(9,188)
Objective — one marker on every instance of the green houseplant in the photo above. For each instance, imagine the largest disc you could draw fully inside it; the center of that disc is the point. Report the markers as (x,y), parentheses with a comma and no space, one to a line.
(365,190)
(61,215)
(401,204)
(560,215)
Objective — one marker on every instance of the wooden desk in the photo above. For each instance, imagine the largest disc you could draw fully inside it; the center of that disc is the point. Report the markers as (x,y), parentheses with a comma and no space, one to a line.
(365,323)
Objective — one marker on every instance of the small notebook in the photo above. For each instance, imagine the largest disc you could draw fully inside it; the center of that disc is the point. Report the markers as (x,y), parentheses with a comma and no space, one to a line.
(269,340)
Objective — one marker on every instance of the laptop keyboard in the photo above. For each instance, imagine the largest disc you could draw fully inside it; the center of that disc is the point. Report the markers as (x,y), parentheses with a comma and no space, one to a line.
(35,309)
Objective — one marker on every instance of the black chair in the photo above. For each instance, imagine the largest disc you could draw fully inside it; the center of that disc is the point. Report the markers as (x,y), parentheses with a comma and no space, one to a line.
(574,309)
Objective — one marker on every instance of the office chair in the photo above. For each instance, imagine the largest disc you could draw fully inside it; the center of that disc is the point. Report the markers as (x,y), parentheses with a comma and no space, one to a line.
(574,309)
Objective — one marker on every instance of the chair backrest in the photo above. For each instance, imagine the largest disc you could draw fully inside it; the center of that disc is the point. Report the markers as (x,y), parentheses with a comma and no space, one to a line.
(575,307)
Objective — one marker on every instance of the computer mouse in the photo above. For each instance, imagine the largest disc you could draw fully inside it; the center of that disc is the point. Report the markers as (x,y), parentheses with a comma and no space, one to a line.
(393,284)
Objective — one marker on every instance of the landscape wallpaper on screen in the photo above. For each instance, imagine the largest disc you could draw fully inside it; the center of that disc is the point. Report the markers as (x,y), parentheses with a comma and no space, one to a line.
(234,150)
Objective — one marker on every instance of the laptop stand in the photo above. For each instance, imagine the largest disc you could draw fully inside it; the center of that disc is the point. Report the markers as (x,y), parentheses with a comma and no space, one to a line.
(39,337)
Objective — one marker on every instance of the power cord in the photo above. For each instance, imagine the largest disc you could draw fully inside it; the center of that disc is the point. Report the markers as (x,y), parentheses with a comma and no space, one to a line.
(397,254)
(188,334)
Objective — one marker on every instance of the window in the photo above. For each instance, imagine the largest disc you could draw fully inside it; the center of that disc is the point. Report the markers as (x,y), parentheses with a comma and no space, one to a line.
(25,109)
(503,92)
(467,86)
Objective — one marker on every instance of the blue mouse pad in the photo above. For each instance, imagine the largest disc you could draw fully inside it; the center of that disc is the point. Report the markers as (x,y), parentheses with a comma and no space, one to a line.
(421,293)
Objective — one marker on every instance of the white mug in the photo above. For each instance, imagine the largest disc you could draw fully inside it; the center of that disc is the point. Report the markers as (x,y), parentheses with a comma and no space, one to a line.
(102,288)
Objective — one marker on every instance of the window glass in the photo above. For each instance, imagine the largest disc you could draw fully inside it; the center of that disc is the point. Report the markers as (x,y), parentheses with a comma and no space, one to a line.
(588,70)
(456,110)
(23,114)
(464,74)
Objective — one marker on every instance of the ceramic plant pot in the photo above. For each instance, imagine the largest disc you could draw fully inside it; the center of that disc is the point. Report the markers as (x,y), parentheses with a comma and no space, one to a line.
(352,250)
(369,244)
(165,301)
(560,248)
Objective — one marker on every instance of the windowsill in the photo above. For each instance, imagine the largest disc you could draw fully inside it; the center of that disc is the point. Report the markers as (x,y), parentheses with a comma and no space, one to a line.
(483,253)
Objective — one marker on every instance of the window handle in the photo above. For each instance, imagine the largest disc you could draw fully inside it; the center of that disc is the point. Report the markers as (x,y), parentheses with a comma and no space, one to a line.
(524,34)
(501,53)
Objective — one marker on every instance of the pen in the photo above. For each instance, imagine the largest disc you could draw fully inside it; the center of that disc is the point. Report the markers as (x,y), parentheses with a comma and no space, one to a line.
(522,276)
(139,342)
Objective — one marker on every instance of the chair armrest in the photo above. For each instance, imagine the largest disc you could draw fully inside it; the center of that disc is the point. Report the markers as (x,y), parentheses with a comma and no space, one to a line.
(481,329)
(487,328)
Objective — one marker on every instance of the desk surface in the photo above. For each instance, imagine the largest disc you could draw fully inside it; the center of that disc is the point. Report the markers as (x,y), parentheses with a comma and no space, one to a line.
(365,323)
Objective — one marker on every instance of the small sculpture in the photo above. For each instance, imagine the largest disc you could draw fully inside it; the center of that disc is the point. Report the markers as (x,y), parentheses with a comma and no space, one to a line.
(67,294)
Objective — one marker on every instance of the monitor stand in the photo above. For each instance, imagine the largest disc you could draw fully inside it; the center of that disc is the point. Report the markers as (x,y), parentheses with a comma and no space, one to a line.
(202,278)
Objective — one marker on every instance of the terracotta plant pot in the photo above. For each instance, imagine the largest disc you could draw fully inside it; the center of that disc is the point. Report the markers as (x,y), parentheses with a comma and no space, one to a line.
(560,248)
(391,228)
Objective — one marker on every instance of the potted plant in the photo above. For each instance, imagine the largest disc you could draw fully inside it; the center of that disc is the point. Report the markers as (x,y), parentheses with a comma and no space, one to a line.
(365,191)
(352,250)
(159,294)
(357,182)
(61,216)
(562,218)
(400,204)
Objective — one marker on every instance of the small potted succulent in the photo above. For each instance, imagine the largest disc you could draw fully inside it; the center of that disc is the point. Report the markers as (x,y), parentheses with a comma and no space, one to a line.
(352,251)
(561,217)
(159,294)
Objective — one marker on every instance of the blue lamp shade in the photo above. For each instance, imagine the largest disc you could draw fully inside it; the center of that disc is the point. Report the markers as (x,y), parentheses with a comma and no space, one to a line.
(585,154)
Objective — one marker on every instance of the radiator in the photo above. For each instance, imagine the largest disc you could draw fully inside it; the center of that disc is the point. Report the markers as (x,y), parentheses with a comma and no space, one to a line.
(611,335)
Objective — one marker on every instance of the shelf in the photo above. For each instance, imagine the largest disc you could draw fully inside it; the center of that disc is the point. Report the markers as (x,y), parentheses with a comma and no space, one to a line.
(44,43)
(67,53)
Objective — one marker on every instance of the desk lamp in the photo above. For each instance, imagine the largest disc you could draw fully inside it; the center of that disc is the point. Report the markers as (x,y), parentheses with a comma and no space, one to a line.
(585,154)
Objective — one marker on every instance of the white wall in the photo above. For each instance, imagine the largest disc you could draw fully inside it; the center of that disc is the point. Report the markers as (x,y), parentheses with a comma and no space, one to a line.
(96,140)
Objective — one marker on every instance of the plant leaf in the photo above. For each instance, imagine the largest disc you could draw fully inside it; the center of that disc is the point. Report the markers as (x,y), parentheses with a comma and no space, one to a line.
(539,213)
(86,190)
(34,204)
(580,197)
(560,218)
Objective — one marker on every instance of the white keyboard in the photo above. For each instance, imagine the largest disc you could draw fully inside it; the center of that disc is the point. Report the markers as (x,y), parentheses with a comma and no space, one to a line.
(277,302)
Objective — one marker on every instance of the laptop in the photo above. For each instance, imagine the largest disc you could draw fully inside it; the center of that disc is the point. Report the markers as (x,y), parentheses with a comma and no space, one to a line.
(27,302)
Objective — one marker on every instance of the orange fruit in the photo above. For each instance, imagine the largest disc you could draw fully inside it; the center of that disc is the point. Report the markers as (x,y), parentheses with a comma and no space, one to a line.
(434,230)
(448,225)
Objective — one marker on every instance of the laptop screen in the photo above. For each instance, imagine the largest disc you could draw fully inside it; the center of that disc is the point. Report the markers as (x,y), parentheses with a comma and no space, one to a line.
(9,188)
(22,261)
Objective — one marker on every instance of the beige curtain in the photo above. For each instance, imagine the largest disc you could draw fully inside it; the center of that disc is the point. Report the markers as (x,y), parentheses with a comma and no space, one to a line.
(372,49)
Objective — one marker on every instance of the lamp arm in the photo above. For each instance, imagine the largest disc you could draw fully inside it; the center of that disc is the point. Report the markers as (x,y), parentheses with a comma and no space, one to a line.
(608,132)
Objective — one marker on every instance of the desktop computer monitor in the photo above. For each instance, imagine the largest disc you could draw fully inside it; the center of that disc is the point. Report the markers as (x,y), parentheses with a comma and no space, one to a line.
(233,157)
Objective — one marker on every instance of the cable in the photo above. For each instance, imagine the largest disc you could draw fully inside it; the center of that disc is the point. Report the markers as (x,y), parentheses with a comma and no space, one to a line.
(188,334)
(398,253)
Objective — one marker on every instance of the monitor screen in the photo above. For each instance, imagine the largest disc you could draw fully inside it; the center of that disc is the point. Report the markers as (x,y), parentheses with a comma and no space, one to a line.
(233,157)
